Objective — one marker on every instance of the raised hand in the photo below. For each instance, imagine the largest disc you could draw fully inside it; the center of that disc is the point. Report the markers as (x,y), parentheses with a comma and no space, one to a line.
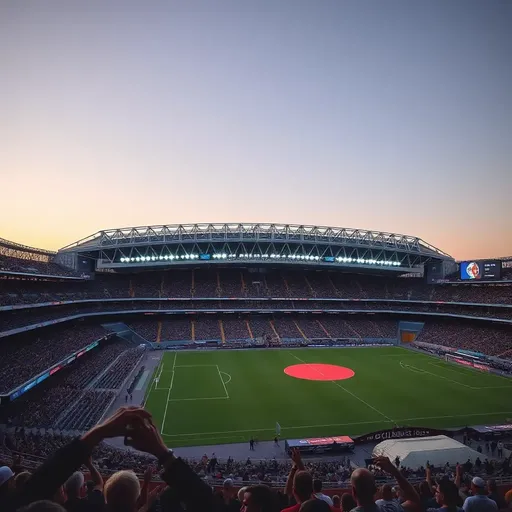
(385,464)
(145,437)
(297,458)
(118,425)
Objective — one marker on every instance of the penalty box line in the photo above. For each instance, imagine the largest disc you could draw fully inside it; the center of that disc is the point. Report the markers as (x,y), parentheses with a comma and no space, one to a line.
(226,397)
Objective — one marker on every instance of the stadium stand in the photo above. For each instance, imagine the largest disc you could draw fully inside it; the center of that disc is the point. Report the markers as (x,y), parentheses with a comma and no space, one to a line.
(27,355)
(229,283)
(19,258)
(116,374)
(493,341)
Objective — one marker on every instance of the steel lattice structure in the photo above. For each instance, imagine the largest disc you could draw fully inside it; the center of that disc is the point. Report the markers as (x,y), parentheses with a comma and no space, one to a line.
(24,252)
(251,243)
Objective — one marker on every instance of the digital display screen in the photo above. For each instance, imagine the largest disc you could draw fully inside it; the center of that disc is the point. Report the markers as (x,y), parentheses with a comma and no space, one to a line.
(204,256)
(480,269)
(329,259)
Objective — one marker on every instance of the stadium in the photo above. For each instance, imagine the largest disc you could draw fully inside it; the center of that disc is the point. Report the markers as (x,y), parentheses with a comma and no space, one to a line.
(250,340)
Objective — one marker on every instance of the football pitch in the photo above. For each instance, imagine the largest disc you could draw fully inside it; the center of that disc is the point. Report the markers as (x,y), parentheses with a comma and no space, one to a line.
(215,397)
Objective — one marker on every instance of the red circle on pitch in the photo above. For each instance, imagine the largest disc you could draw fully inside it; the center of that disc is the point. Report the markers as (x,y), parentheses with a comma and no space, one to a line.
(317,371)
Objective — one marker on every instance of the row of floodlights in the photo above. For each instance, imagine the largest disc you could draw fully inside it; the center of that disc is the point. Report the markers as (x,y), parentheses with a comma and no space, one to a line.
(224,256)
(170,257)
(367,261)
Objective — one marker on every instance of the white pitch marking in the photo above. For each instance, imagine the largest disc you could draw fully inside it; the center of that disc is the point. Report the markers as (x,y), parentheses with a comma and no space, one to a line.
(193,365)
(194,399)
(340,424)
(346,390)
(228,381)
(223,383)
(169,393)
(411,367)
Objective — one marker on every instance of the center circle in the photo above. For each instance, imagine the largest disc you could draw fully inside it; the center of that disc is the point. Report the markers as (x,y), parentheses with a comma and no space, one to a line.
(318,371)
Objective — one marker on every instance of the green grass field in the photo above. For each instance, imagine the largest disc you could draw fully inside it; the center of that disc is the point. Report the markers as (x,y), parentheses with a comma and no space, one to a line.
(216,397)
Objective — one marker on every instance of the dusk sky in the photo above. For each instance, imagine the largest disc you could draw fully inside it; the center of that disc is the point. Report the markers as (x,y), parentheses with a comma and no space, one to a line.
(386,115)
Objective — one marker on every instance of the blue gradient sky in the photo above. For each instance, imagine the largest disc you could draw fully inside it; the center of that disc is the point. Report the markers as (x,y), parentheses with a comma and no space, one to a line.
(388,115)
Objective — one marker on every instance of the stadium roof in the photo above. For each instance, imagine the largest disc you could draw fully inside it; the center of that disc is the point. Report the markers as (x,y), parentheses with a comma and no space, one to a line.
(186,233)
(254,244)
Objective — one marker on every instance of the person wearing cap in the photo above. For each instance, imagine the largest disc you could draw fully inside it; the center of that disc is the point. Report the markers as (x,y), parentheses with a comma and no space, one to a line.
(479,502)
(227,501)
(6,485)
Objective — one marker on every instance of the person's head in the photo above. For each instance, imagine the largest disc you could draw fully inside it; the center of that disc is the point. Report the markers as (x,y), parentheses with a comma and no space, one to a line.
(336,501)
(508,498)
(424,490)
(43,506)
(478,486)
(241,493)
(447,493)
(317,485)
(387,492)
(491,485)
(302,486)
(228,487)
(315,506)
(6,480)
(259,498)
(122,490)
(363,486)
(20,479)
(73,485)
(347,502)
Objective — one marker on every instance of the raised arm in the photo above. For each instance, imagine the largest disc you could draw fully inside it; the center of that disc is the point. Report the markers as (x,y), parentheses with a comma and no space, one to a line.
(412,499)
(428,478)
(458,476)
(189,488)
(143,496)
(95,475)
(298,465)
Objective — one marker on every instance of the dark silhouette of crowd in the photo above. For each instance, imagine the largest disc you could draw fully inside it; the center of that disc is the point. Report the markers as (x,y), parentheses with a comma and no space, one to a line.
(55,482)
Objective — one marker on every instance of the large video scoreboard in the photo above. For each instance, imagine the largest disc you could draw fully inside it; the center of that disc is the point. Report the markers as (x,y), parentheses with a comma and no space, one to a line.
(480,269)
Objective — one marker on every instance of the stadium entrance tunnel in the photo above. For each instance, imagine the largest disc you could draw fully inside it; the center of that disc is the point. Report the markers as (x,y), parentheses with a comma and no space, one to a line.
(318,371)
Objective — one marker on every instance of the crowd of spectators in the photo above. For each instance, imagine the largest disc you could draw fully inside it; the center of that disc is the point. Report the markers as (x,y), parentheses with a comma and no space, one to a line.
(241,284)
(26,355)
(35,264)
(271,486)
(493,341)
(255,327)
(45,403)
(13,319)
(87,410)
(116,374)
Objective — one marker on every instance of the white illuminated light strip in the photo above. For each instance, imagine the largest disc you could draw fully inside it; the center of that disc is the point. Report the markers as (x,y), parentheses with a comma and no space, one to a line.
(294,257)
